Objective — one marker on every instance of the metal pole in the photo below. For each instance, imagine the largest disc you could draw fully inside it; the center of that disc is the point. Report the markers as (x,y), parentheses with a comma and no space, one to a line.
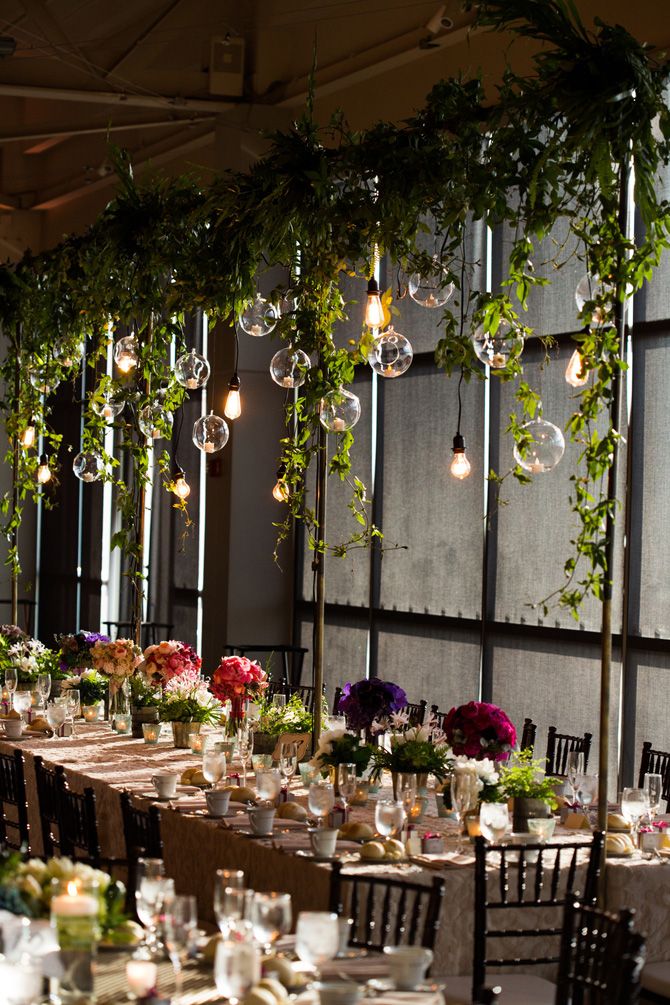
(138,578)
(16,456)
(320,573)
(610,527)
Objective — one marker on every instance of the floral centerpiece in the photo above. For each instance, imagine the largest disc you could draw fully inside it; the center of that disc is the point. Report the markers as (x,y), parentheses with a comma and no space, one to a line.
(369,702)
(116,660)
(26,889)
(166,660)
(413,752)
(479,729)
(293,717)
(336,746)
(187,703)
(91,684)
(28,656)
(524,781)
(238,680)
(483,778)
(75,650)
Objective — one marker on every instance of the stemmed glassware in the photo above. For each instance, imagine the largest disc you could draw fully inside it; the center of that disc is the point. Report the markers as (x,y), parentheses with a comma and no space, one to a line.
(270,917)
(153,893)
(11,683)
(268,784)
(288,761)
(634,805)
(493,821)
(574,769)
(407,793)
(321,799)
(461,796)
(389,816)
(44,686)
(653,786)
(346,782)
(587,792)
(22,701)
(230,899)
(279,700)
(55,716)
(237,968)
(213,766)
(316,937)
(179,924)
(245,748)
(72,705)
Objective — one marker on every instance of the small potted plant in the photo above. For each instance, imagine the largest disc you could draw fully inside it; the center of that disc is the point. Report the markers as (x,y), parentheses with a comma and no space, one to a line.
(187,704)
(413,753)
(144,701)
(275,721)
(532,793)
(92,687)
(339,747)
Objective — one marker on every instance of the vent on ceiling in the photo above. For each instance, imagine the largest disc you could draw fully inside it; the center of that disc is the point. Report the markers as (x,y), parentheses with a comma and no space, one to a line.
(226,66)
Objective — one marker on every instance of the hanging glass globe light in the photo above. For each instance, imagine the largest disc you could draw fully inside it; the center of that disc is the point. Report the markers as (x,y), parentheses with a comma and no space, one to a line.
(591,288)
(108,406)
(496,350)
(155,422)
(210,433)
(432,290)
(289,367)
(192,370)
(259,318)
(339,410)
(288,302)
(88,466)
(391,354)
(126,354)
(69,351)
(44,378)
(544,448)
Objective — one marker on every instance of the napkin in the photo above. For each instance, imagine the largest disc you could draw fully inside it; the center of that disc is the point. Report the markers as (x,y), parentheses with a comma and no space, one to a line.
(576,822)
(443,859)
(189,804)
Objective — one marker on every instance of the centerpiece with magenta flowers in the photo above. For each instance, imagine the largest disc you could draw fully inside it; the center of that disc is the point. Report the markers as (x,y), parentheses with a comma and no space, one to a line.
(188,703)
(238,680)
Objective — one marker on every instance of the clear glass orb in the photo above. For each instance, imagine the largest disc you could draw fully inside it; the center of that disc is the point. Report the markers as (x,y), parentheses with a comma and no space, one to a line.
(69,351)
(391,353)
(590,288)
(155,422)
(340,410)
(88,466)
(44,378)
(259,318)
(289,367)
(126,354)
(432,290)
(544,449)
(109,406)
(287,302)
(192,370)
(210,433)
(497,350)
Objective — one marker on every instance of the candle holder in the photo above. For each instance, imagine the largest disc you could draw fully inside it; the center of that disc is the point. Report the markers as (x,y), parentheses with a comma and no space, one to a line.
(196,742)
(151,732)
(142,977)
(75,909)
(122,722)
(91,713)
(360,796)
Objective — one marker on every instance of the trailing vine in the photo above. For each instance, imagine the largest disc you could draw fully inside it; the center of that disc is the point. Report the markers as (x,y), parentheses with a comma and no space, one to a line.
(324,202)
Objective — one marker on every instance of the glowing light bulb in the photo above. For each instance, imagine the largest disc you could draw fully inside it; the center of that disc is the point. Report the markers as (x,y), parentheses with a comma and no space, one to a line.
(575,374)
(374,311)
(180,486)
(27,439)
(44,471)
(125,353)
(460,465)
(280,491)
(233,406)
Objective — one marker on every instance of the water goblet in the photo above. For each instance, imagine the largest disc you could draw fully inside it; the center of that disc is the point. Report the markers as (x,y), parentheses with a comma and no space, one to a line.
(587,792)
(288,761)
(346,782)
(149,890)
(653,785)
(279,700)
(237,968)
(573,769)
(463,783)
(317,937)
(493,820)
(634,805)
(22,701)
(270,917)
(231,905)
(44,686)
(178,927)
(11,683)
(72,706)
(268,784)
(55,716)
(389,816)
(213,766)
(321,799)
(245,748)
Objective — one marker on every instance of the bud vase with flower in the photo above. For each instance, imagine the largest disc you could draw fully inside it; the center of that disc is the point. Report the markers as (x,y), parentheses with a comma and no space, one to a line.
(237,680)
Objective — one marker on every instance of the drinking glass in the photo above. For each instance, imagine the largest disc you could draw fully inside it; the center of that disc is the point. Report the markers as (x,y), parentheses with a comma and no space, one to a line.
(55,716)
(279,700)
(407,791)
(178,927)
(245,747)
(653,785)
(462,783)
(72,706)
(150,889)
(574,768)
(237,968)
(587,792)
(230,898)
(317,937)
(268,783)
(22,701)
(634,805)
(213,766)
(288,761)
(389,816)
(11,683)
(270,917)
(321,799)
(493,821)
(346,782)
(44,686)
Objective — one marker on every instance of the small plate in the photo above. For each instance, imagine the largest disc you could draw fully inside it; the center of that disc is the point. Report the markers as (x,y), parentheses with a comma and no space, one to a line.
(306,853)
(385,984)
(256,837)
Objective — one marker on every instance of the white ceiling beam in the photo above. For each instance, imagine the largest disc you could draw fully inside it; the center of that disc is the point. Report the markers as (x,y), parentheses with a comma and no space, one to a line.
(122,100)
(61,130)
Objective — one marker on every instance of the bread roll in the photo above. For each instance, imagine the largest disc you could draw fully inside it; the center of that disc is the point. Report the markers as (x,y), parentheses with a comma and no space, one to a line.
(186,776)
(619,844)
(241,794)
(394,850)
(373,850)
(291,811)
(617,822)
(356,831)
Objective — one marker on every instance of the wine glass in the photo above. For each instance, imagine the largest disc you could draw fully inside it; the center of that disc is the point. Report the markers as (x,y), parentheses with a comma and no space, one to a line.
(346,782)
(213,766)
(321,799)
(55,716)
(462,783)
(653,785)
(230,898)
(178,926)
(44,686)
(493,820)
(270,917)
(268,784)
(317,937)
(22,701)
(279,700)
(237,968)
(634,805)
(11,683)
(574,768)
(72,704)
(407,791)
(150,890)
(288,761)
(245,747)
(389,816)
(587,792)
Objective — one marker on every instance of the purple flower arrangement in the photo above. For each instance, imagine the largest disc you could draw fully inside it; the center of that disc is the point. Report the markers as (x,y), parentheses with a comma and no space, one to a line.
(480,730)
(75,650)
(369,700)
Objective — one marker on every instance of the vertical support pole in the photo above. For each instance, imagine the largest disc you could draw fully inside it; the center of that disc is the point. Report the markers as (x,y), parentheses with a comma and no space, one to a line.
(320,575)
(15,479)
(138,578)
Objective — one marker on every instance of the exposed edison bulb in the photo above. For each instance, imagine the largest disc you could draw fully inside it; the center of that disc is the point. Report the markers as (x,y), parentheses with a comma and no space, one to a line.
(27,438)
(44,471)
(280,491)
(180,486)
(374,310)
(575,374)
(460,465)
(233,406)
(125,353)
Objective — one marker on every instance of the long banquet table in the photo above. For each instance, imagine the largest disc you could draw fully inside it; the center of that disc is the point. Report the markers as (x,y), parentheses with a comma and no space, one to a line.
(196,845)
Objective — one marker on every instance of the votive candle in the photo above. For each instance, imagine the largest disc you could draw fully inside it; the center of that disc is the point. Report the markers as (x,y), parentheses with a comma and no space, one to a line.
(196,743)
(122,722)
(90,713)
(151,731)
(142,976)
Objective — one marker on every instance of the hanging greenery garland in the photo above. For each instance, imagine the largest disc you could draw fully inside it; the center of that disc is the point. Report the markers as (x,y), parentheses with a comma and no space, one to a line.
(556,145)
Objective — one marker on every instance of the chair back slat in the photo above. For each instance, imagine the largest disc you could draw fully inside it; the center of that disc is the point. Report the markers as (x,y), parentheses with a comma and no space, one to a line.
(48,781)
(78,826)
(401,914)
(656,762)
(13,793)
(528,734)
(559,745)
(142,835)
